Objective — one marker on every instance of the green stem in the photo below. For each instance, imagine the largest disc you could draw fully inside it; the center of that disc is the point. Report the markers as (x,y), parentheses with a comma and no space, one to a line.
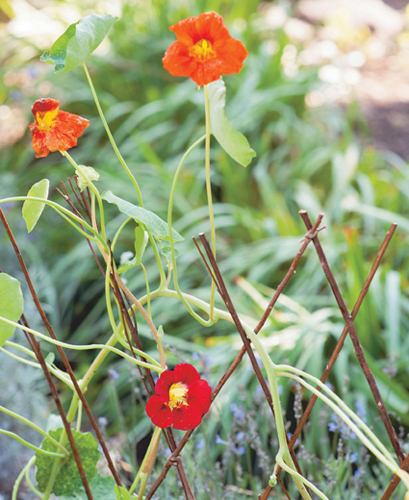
(93,189)
(111,137)
(181,296)
(126,168)
(147,290)
(154,367)
(34,426)
(391,464)
(79,416)
(28,479)
(62,211)
(29,445)
(209,192)
(55,371)
(342,405)
(119,232)
(20,478)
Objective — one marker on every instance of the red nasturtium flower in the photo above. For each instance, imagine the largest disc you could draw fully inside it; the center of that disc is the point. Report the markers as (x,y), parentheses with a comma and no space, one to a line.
(204,49)
(54,130)
(182,398)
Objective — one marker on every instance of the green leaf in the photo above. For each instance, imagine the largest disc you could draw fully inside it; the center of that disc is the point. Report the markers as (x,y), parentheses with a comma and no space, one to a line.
(167,253)
(78,42)
(32,210)
(102,488)
(232,141)
(68,478)
(148,220)
(141,240)
(122,493)
(11,305)
(84,174)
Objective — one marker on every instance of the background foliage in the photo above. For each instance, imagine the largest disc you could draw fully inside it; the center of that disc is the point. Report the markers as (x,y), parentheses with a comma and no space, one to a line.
(309,156)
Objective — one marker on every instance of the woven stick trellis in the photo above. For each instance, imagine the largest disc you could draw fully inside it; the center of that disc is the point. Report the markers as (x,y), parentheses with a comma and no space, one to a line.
(130,327)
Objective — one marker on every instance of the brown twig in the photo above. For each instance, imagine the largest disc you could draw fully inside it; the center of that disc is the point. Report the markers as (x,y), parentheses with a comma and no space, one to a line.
(60,350)
(395,480)
(355,340)
(36,347)
(338,346)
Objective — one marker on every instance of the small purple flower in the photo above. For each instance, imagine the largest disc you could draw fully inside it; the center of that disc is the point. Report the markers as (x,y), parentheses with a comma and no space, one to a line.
(113,373)
(354,458)
(219,440)
(239,436)
(200,444)
(239,412)
(357,473)
(332,426)
(241,450)
(195,356)
(360,410)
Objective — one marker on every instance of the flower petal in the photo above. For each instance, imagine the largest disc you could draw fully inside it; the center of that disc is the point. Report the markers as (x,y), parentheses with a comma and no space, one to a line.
(162,386)
(207,72)
(186,417)
(39,143)
(44,104)
(199,394)
(178,61)
(159,412)
(232,54)
(186,373)
(210,26)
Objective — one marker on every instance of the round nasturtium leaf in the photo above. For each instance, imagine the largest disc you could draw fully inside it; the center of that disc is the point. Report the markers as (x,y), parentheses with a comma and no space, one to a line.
(78,42)
(68,479)
(11,305)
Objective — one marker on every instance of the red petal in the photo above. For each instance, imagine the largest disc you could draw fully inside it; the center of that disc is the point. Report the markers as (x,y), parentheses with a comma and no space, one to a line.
(162,386)
(178,61)
(199,395)
(44,104)
(159,412)
(186,373)
(39,143)
(186,417)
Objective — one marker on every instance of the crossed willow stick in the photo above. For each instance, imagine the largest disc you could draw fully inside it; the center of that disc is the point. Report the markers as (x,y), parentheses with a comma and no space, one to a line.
(131,325)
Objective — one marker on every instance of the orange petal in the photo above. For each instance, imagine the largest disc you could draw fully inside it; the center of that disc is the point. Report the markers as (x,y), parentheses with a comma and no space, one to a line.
(207,72)
(232,54)
(39,143)
(178,61)
(210,26)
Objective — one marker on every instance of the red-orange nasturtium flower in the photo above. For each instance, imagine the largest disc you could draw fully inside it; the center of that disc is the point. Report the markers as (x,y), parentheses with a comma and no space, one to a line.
(204,49)
(182,398)
(54,130)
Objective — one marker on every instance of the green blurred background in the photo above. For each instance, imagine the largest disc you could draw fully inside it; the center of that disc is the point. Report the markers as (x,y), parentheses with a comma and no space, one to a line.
(320,100)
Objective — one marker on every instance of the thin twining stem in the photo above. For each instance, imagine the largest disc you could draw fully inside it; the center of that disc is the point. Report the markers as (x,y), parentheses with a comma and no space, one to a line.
(174,455)
(355,340)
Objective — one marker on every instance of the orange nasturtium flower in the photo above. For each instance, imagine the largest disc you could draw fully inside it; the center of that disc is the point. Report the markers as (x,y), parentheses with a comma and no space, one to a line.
(204,49)
(54,130)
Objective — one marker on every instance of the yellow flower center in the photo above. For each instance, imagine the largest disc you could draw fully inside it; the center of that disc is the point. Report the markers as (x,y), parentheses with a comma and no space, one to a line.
(177,395)
(202,51)
(46,120)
